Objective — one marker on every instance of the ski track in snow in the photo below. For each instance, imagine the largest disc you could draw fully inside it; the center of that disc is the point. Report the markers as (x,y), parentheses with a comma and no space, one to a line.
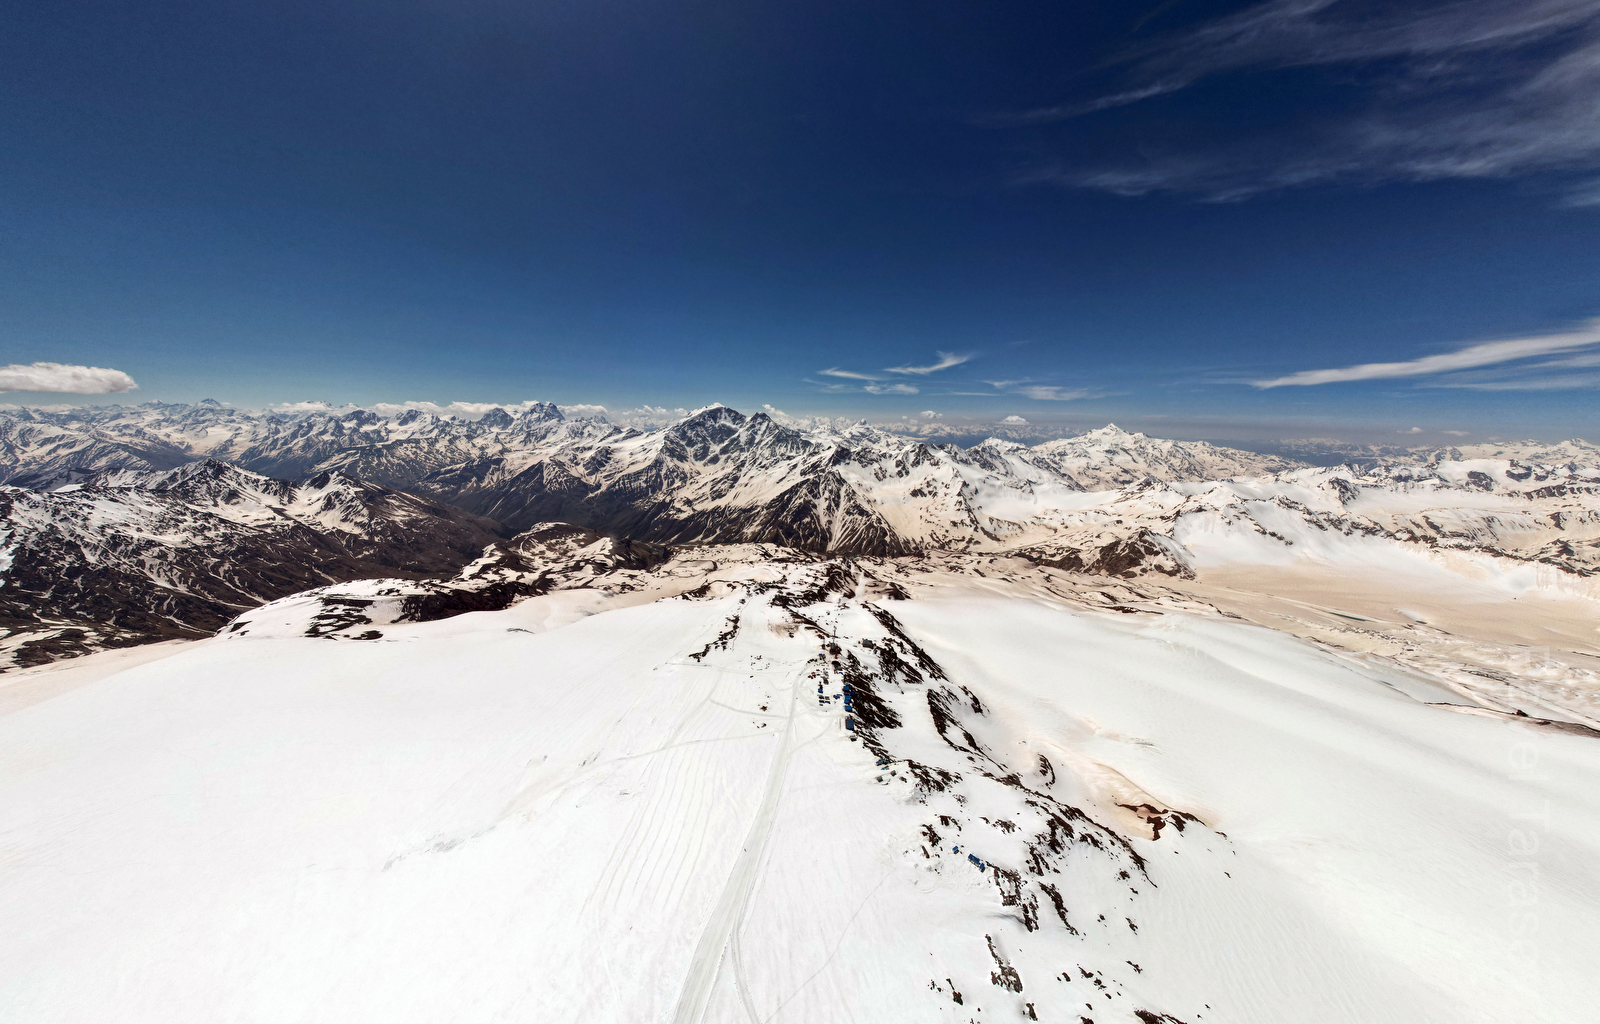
(721,935)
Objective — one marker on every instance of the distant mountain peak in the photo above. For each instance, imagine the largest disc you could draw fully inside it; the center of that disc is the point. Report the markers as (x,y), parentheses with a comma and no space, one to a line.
(541,411)
(715,414)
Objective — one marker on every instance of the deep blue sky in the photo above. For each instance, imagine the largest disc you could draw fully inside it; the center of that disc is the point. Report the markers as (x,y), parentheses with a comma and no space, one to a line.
(678,203)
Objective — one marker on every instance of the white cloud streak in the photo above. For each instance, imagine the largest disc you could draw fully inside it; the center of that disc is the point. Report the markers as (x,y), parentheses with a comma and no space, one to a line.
(1558,382)
(1486,354)
(946,360)
(63,378)
(847,374)
(1044,393)
(891,389)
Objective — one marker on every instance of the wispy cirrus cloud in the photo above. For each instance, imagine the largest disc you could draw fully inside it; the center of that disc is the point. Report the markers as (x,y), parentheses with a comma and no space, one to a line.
(1577,371)
(1065,112)
(1043,392)
(1527,382)
(64,378)
(1050,393)
(1489,353)
(945,361)
(1428,90)
(873,384)
(863,386)
(892,389)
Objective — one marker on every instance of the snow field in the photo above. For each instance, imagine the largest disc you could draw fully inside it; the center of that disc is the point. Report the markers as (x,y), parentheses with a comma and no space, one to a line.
(1384,821)
(563,812)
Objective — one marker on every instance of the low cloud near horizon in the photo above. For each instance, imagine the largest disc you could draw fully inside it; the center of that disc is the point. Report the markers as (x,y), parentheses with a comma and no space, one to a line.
(64,378)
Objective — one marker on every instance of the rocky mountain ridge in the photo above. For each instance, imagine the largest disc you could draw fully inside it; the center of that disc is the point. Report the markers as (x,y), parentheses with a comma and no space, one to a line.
(130,556)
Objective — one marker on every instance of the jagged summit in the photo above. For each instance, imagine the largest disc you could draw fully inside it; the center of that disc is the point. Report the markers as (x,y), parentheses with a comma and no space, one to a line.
(540,412)
(711,416)
(1111,430)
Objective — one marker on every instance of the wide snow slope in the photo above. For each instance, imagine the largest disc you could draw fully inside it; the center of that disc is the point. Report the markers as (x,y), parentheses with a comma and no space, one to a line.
(650,814)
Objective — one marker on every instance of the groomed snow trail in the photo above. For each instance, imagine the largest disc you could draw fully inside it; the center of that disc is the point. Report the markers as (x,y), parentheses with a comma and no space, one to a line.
(1055,813)
(721,934)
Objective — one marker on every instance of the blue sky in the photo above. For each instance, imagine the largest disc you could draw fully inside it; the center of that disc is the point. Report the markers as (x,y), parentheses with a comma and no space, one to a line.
(1138,212)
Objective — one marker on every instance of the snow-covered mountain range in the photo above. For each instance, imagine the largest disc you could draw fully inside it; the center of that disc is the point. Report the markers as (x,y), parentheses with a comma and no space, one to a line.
(42,449)
(109,544)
